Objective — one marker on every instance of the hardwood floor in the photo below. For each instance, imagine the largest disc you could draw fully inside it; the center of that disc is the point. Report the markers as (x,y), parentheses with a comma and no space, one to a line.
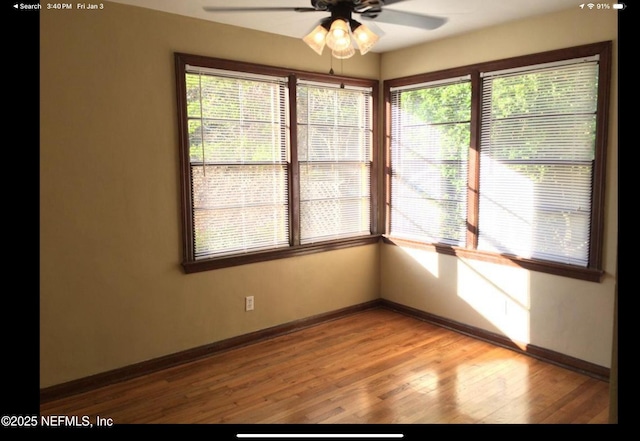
(376,366)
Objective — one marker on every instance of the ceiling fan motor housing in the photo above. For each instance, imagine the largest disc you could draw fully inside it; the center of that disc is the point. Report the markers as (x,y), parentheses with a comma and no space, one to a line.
(369,8)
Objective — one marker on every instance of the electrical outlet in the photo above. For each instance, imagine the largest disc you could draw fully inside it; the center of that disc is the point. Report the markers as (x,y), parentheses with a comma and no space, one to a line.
(248,303)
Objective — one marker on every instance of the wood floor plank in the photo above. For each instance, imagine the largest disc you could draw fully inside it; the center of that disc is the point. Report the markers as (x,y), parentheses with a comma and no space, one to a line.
(375,366)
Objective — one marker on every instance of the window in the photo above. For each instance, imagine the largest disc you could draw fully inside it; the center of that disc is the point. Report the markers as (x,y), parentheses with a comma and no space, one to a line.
(431,128)
(237,161)
(334,151)
(504,160)
(275,163)
(537,151)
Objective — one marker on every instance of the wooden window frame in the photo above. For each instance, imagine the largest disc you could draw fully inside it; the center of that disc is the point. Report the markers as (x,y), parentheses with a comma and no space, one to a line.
(189,263)
(593,271)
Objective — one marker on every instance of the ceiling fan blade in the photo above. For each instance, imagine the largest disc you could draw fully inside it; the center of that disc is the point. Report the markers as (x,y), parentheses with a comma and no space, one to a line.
(407,19)
(263,9)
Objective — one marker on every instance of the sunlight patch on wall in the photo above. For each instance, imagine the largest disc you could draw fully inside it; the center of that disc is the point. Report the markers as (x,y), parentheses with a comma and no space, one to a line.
(427,260)
(500,294)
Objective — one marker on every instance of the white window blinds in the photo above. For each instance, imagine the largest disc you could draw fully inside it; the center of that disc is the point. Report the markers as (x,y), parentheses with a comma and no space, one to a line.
(238,158)
(536,161)
(334,151)
(430,136)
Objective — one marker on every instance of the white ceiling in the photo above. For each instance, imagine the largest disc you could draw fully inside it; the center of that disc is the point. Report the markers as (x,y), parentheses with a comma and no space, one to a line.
(462,16)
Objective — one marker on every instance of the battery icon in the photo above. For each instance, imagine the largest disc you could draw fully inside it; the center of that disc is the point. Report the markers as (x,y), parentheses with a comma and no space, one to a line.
(619,6)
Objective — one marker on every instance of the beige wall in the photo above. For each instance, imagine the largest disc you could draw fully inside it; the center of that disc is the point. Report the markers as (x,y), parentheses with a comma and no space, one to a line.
(112,290)
(561,314)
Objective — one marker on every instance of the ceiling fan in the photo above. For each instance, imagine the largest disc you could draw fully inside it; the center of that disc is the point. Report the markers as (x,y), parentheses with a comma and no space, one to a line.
(339,29)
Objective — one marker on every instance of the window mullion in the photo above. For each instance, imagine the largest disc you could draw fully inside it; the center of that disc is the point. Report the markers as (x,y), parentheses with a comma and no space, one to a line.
(473,181)
(294,164)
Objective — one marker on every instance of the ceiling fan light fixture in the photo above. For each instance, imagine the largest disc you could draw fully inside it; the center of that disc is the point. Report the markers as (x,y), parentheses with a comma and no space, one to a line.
(339,36)
(337,30)
(364,37)
(316,39)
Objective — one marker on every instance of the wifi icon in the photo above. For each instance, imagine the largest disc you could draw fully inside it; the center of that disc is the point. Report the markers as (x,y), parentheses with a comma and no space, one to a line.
(590,5)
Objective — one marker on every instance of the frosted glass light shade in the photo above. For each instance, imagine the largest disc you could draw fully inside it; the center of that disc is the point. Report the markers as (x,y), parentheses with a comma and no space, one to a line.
(316,39)
(365,38)
(339,36)
(345,53)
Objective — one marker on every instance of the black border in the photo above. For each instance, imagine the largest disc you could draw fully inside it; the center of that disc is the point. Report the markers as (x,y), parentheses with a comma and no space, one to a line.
(20,318)
(625,124)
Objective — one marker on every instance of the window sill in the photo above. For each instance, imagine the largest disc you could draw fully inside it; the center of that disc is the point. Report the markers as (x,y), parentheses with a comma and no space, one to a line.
(558,269)
(263,256)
